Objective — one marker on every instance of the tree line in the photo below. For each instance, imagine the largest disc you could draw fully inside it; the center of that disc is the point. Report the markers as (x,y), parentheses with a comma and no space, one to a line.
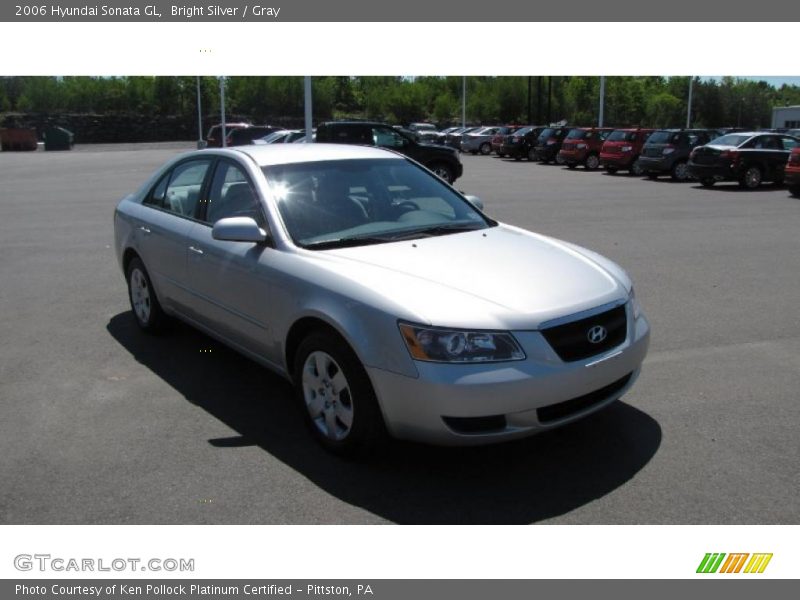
(629,100)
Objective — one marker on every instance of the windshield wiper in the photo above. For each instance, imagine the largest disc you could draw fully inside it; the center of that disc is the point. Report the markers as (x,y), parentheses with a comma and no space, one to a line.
(443,229)
(347,242)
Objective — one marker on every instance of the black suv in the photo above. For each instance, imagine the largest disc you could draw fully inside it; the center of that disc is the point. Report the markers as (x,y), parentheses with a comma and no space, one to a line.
(443,161)
(667,151)
(748,158)
(522,143)
(549,143)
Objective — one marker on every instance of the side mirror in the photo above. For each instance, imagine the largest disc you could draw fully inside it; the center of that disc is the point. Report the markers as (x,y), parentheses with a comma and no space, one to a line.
(238,229)
(475,201)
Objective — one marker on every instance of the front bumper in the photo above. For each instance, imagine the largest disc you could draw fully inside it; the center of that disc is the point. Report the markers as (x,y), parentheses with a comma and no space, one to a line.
(618,161)
(485,403)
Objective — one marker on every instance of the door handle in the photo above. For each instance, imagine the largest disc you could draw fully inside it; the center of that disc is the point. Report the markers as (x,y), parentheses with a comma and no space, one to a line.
(144,229)
(195,250)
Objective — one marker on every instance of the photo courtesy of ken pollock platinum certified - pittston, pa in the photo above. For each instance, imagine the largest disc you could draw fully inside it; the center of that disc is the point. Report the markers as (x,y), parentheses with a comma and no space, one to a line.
(193,589)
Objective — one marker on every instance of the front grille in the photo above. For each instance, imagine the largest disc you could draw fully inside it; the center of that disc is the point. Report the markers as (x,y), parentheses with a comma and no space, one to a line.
(562,410)
(612,150)
(476,425)
(571,341)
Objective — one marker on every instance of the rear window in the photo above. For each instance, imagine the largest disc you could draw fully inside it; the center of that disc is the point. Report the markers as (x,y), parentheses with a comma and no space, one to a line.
(730,140)
(663,137)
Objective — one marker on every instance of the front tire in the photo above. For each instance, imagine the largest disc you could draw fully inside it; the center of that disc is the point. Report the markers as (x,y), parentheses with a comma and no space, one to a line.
(636,168)
(144,303)
(336,396)
(592,162)
(485,148)
(751,178)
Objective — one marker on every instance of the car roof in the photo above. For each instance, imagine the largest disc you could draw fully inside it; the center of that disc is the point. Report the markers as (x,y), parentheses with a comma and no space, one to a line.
(281,154)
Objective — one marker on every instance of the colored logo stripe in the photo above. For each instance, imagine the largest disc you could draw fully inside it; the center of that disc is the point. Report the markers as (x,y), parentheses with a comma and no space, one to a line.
(733,564)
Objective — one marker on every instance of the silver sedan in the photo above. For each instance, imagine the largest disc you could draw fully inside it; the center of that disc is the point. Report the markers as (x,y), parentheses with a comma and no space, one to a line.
(392,302)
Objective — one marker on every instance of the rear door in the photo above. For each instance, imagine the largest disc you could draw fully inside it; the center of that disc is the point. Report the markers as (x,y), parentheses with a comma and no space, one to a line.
(171,212)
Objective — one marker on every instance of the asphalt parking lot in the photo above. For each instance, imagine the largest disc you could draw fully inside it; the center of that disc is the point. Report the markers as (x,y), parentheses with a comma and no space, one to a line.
(103,424)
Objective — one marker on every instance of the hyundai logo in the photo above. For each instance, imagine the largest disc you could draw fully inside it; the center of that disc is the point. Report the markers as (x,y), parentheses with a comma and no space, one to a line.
(596,334)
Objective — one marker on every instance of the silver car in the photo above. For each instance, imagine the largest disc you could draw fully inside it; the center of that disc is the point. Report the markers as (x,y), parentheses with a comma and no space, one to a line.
(392,302)
(479,140)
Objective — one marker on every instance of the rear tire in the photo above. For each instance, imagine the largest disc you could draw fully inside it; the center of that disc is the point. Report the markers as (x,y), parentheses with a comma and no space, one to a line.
(680,171)
(444,171)
(336,396)
(144,303)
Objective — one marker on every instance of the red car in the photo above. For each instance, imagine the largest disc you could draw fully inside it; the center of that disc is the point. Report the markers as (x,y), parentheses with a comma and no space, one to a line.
(622,148)
(582,147)
(792,172)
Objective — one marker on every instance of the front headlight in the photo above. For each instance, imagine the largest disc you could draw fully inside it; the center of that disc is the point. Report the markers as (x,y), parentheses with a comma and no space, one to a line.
(637,308)
(433,344)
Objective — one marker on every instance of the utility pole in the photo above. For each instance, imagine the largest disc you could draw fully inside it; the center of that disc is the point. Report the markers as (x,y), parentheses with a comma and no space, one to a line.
(309,120)
(602,100)
(464,101)
(222,111)
(199,117)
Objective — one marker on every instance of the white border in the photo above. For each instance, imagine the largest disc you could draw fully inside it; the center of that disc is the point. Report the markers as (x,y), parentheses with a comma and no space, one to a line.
(403,49)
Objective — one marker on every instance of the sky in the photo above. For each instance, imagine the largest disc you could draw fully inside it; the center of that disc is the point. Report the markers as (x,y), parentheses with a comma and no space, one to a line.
(773,81)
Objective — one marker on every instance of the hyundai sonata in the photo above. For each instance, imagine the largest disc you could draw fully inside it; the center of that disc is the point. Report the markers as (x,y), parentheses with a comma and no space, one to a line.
(393,303)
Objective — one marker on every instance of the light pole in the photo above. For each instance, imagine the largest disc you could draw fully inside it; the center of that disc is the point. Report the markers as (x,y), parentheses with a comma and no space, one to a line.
(309,137)
(222,111)
(689,108)
(200,143)
(464,101)
(602,100)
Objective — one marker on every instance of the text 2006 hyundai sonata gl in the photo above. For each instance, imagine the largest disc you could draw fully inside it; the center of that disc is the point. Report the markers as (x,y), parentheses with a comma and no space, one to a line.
(393,304)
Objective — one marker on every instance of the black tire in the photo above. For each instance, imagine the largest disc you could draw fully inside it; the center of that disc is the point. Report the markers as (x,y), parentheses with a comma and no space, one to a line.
(592,162)
(680,171)
(532,154)
(611,170)
(366,430)
(708,182)
(485,148)
(144,303)
(751,178)
(795,191)
(444,171)
(636,168)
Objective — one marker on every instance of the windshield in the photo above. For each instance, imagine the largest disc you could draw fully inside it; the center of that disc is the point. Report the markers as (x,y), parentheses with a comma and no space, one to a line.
(549,132)
(730,140)
(341,203)
(523,131)
(622,136)
(577,134)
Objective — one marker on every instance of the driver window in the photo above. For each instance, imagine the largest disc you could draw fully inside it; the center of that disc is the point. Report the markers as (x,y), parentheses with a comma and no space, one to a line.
(231,195)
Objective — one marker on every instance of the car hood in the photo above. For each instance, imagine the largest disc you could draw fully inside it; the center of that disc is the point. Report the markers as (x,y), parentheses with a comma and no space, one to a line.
(497,278)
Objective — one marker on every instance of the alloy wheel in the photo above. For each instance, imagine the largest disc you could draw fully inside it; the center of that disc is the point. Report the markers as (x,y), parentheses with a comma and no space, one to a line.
(327,396)
(140,296)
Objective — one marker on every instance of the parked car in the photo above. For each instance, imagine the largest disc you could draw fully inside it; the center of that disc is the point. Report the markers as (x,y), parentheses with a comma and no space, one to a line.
(549,144)
(500,136)
(445,162)
(582,147)
(522,143)
(389,300)
(479,140)
(792,172)
(237,134)
(453,139)
(622,148)
(667,151)
(747,157)
(284,136)
(18,139)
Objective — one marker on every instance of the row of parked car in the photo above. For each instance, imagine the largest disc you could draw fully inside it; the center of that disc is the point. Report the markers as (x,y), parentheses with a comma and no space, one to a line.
(706,155)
